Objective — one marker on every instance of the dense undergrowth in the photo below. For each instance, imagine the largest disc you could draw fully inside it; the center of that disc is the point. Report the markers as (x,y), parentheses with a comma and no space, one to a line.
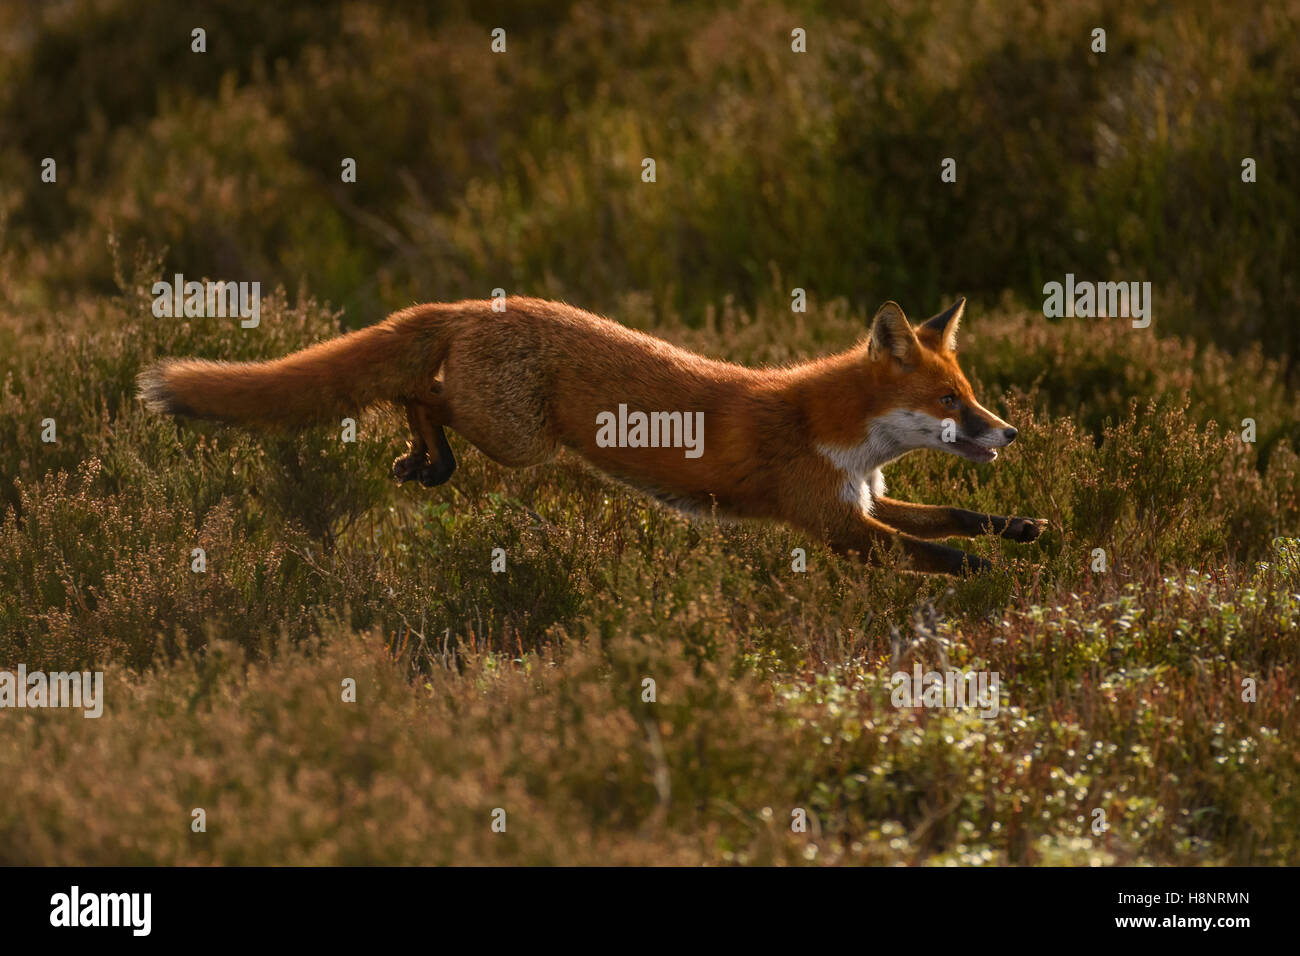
(1122,690)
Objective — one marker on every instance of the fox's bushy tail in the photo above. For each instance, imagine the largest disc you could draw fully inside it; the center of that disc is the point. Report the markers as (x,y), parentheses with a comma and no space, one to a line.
(386,362)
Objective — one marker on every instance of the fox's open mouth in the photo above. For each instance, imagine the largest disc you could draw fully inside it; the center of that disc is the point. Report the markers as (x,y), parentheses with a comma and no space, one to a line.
(969,449)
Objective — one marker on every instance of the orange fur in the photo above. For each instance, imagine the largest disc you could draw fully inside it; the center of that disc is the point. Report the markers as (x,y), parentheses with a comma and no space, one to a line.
(778,444)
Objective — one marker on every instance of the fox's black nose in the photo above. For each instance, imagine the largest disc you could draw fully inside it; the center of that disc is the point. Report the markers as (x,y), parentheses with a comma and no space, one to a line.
(1010,433)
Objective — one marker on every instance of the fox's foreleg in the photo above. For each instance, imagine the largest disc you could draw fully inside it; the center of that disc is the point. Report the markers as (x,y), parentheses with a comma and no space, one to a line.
(428,459)
(859,532)
(938,521)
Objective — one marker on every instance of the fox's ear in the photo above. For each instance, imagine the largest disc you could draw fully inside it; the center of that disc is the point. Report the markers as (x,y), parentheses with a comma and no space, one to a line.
(891,334)
(942,328)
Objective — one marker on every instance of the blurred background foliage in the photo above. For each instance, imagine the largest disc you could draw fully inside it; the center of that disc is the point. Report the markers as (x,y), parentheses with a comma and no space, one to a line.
(775,169)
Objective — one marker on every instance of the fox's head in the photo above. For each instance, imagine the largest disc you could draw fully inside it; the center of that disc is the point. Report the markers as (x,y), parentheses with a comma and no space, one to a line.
(930,403)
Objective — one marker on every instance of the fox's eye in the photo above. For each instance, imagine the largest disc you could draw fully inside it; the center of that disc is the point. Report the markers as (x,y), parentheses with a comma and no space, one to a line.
(948,401)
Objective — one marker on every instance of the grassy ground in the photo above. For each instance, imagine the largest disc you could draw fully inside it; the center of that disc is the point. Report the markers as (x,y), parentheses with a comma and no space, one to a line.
(524,691)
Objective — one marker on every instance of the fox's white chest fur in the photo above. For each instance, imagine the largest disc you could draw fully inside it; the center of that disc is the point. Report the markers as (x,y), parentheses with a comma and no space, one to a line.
(861,465)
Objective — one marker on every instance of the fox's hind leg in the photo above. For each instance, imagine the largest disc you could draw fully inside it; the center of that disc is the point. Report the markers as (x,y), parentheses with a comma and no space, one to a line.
(407,467)
(429,459)
(440,461)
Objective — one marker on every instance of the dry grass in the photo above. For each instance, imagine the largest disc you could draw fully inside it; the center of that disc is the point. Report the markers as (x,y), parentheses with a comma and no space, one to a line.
(523,691)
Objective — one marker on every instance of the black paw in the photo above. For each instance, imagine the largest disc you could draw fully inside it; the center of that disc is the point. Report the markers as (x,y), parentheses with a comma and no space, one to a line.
(409,467)
(1024,530)
(432,474)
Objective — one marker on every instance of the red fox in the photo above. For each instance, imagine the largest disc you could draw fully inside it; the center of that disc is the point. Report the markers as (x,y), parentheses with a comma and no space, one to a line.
(803,444)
